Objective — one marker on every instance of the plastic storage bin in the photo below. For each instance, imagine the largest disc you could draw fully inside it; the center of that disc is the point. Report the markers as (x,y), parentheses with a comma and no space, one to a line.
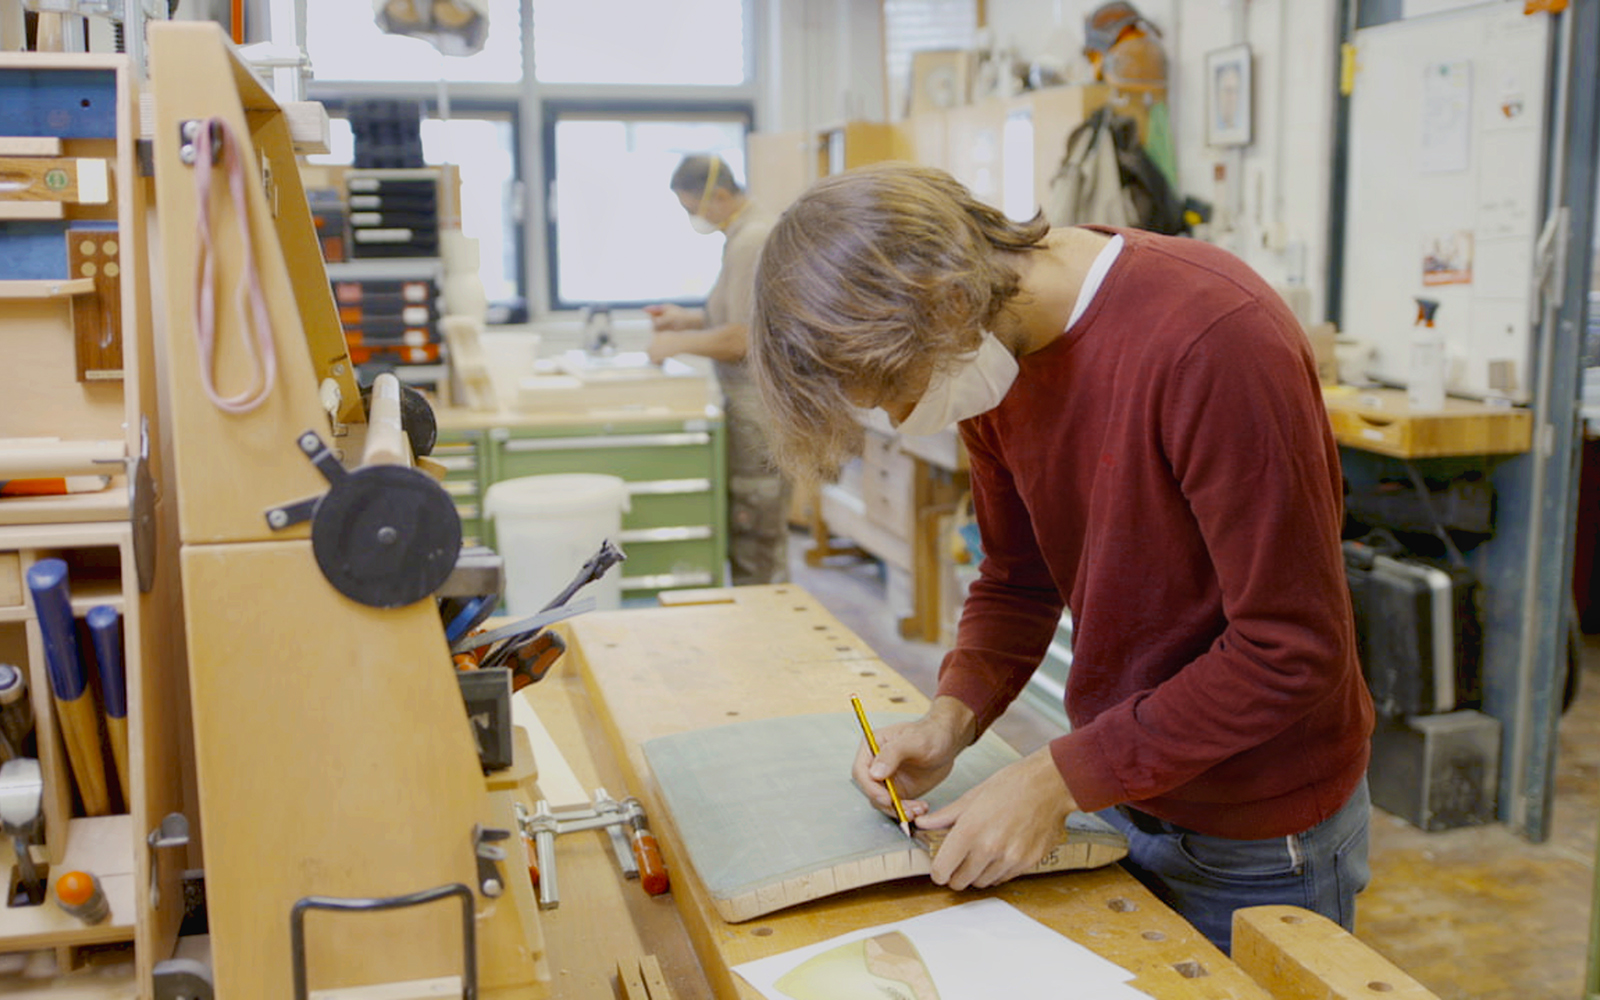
(546,527)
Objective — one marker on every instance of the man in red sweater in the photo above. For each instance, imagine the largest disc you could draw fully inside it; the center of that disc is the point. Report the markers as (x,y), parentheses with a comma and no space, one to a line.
(1148,449)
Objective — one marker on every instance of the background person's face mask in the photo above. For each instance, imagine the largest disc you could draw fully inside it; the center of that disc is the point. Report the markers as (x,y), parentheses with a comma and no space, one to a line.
(976,385)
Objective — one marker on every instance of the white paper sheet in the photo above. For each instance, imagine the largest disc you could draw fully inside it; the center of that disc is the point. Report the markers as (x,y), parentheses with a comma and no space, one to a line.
(975,951)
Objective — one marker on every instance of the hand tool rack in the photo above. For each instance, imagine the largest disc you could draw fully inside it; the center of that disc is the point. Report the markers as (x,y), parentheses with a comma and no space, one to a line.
(74,329)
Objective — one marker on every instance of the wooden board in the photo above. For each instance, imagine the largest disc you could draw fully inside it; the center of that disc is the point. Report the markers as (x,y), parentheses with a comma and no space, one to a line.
(62,179)
(192,70)
(769,817)
(769,651)
(329,764)
(1300,955)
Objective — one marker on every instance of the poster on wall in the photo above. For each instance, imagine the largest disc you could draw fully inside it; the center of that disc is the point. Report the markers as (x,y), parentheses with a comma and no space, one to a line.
(1446,117)
(1447,259)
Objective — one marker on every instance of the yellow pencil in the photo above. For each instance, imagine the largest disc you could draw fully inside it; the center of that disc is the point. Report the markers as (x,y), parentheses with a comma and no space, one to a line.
(872,744)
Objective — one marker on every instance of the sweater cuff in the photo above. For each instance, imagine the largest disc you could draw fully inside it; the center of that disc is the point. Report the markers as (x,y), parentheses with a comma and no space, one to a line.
(1093,787)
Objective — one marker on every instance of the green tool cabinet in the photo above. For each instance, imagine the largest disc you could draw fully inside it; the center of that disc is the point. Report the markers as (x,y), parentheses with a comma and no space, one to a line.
(675,532)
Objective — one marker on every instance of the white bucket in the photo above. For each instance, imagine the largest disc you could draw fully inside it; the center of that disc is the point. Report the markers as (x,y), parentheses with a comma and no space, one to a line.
(547,527)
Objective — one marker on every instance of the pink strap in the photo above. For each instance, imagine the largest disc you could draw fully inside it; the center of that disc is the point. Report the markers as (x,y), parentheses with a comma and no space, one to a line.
(262,352)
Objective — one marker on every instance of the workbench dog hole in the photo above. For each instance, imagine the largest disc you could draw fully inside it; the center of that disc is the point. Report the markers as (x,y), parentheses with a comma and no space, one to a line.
(1190,970)
(762,932)
(1379,986)
(898,699)
(1120,905)
(1291,919)
(1153,936)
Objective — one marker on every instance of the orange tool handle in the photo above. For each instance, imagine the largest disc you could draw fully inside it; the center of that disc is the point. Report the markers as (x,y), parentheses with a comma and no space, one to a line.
(652,869)
(533,660)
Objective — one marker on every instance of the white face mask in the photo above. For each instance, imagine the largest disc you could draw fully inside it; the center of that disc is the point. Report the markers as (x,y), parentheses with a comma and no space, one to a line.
(703,225)
(976,385)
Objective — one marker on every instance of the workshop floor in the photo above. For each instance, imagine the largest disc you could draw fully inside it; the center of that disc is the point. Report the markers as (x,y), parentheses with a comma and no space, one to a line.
(1473,914)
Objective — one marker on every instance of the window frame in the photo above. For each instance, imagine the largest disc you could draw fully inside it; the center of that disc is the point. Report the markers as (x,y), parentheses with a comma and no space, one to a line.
(554,110)
(490,101)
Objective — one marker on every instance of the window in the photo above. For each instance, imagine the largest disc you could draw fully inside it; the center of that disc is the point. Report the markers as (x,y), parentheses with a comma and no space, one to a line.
(640,42)
(346,44)
(483,148)
(617,234)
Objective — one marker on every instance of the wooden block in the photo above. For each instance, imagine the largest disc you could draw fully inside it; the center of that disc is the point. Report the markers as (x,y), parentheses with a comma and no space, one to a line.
(654,981)
(522,771)
(630,984)
(30,145)
(75,180)
(95,255)
(20,211)
(1299,955)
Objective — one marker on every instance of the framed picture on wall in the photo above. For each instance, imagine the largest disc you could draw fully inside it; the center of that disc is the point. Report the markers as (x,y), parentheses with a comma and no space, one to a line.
(1228,97)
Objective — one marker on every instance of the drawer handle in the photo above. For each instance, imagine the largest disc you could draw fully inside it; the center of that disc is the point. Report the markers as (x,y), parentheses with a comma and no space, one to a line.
(657,487)
(668,581)
(610,441)
(691,533)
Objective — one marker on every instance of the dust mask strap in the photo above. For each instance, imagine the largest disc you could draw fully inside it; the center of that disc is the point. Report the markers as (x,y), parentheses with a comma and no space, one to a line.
(698,221)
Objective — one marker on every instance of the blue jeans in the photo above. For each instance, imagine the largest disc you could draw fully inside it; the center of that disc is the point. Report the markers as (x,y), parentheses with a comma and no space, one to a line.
(1206,878)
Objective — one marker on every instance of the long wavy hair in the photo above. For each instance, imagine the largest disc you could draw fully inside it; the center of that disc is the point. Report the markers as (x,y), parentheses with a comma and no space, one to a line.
(870,282)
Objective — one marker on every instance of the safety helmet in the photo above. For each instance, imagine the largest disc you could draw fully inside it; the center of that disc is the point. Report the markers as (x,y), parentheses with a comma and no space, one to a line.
(1136,63)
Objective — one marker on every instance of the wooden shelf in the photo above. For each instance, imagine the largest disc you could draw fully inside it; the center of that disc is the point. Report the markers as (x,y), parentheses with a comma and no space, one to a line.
(1382,421)
(50,288)
(100,845)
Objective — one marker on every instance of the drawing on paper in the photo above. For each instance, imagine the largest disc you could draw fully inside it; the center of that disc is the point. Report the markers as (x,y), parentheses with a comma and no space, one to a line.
(884,967)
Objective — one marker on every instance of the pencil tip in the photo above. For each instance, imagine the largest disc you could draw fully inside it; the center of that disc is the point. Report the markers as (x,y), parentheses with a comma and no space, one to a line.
(905,827)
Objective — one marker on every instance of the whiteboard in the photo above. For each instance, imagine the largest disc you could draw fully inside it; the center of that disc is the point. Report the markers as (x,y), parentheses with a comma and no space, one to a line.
(1446,164)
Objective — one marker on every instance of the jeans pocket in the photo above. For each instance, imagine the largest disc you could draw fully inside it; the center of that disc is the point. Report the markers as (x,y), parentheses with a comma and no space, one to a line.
(1241,861)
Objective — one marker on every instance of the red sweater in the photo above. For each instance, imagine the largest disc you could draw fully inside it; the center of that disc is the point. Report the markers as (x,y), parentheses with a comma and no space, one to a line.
(1166,469)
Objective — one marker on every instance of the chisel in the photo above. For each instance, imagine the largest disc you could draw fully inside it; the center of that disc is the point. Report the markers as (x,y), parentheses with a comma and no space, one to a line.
(105,631)
(80,728)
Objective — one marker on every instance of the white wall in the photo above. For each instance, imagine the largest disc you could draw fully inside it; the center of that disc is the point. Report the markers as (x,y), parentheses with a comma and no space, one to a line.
(1273,204)
(828,56)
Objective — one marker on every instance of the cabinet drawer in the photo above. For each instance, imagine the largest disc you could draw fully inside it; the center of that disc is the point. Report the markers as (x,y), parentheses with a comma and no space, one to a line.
(648,510)
(10,580)
(886,487)
(633,457)
(668,565)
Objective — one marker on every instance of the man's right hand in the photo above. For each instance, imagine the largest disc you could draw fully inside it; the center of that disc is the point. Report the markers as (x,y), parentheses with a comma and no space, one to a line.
(669,316)
(917,755)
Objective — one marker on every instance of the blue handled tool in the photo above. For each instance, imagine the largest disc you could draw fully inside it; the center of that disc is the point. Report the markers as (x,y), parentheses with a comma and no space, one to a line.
(105,631)
(75,707)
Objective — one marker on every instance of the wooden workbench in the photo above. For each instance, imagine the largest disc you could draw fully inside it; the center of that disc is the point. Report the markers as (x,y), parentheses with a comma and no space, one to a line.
(756,652)
(1382,421)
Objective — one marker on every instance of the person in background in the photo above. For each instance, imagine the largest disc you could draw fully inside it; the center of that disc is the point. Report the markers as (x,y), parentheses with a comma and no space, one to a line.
(758,494)
(1149,449)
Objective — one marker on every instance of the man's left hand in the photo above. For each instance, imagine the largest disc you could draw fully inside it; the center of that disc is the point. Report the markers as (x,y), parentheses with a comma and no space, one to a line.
(1001,828)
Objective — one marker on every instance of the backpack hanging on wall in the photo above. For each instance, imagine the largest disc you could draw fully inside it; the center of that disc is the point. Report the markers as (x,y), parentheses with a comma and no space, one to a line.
(1107,178)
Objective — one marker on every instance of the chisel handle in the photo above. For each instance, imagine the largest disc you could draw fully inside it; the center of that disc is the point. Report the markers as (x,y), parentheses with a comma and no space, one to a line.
(105,631)
(69,682)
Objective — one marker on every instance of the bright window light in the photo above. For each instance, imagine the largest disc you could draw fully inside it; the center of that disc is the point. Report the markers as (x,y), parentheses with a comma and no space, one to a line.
(620,234)
(686,42)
